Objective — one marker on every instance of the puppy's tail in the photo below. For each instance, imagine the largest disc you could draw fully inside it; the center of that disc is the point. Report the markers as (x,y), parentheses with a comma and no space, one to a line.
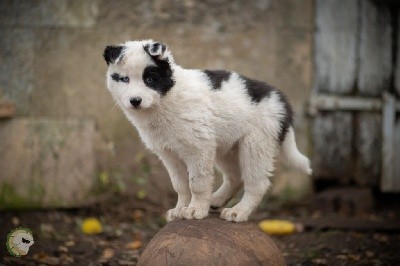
(291,154)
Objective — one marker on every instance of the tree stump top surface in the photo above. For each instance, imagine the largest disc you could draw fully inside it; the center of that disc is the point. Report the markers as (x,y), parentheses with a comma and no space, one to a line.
(211,241)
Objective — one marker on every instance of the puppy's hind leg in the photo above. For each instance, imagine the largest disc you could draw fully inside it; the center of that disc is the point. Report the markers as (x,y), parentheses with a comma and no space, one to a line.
(256,157)
(228,164)
(180,182)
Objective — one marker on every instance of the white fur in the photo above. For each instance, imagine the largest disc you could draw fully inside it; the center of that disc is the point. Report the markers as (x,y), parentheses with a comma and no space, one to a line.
(193,127)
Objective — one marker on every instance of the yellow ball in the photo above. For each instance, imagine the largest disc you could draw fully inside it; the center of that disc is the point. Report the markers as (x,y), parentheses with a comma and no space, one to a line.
(91,226)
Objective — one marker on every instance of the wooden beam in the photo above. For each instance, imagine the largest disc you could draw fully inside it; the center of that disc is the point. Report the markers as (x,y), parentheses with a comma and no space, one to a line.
(388,159)
(397,72)
(7,110)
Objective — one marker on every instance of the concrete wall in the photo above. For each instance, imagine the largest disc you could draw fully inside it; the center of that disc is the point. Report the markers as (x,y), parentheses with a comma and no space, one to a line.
(52,67)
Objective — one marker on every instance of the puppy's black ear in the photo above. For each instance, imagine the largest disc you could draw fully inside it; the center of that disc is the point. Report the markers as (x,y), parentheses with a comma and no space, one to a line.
(111,53)
(156,50)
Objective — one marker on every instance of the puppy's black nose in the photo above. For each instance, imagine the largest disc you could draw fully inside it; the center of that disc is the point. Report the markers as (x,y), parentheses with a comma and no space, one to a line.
(135,101)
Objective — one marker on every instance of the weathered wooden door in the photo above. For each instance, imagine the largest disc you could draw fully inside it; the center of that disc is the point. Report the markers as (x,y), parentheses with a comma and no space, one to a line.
(355,100)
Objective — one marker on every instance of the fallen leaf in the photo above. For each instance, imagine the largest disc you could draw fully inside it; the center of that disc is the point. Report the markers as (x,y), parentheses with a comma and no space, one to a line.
(69,243)
(46,259)
(381,238)
(134,244)
(137,235)
(66,260)
(15,221)
(108,253)
(126,262)
(369,254)
(63,249)
(342,257)
(354,257)
(138,216)
(40,255)
(141,194)
(46,228)
(320,261)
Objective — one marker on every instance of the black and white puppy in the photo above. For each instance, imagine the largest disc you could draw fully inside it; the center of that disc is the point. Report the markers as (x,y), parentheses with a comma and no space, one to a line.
(193,119)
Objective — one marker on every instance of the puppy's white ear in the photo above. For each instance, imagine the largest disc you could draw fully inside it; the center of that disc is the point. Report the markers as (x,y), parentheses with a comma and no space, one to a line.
(158,50)
(113,53)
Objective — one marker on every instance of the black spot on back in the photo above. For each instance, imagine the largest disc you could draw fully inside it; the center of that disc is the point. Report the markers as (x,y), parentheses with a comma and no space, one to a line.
(259,90)
(256,89)
(112,52)
(287,119)
(216,77)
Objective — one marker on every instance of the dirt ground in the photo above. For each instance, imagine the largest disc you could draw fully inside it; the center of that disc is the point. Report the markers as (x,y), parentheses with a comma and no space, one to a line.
(128,225)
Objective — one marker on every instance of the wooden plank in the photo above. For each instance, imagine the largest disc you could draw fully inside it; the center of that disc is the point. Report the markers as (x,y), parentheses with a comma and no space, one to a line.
(326,102)
(335,73)
(335,46)
(368,148)
(375,52)
(388,159)
(353,224)
(396,177)
(397,72)
(7,110)
(332,146)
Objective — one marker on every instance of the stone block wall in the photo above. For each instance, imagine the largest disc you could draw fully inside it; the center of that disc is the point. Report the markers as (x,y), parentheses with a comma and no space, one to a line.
(52,68)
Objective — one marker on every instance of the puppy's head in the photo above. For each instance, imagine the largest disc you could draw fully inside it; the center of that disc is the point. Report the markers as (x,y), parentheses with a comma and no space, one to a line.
(139,73)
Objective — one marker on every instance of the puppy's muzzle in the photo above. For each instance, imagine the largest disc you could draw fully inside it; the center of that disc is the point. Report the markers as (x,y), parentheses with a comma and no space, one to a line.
(136,101)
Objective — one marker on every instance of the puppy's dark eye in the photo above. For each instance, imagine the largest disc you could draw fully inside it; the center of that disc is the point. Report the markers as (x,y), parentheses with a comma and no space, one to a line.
(149,80)
(124,79)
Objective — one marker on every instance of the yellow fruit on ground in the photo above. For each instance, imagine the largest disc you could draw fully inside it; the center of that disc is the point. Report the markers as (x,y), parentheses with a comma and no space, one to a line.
(277,227)
(91,226)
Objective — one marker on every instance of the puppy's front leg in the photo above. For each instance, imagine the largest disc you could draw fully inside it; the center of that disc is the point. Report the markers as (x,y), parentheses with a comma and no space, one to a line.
(201,177)
(180,181)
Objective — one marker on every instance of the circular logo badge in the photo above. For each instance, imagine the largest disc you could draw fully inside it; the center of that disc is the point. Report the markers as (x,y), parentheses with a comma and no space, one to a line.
(18,241)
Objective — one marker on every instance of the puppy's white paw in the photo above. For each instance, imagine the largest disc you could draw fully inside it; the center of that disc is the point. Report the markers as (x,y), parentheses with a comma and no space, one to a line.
(173,214)
(235,215)
(193,213)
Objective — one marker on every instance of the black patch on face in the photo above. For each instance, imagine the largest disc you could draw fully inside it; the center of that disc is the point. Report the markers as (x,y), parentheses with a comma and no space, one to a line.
(256,89)
(158,77)
(216,77)
(287,119)
(111,53)
(117,77)
(124,79)
(26,241)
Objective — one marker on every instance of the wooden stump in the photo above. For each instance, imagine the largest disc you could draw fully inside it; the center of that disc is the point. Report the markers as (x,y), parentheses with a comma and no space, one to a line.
(211,241)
